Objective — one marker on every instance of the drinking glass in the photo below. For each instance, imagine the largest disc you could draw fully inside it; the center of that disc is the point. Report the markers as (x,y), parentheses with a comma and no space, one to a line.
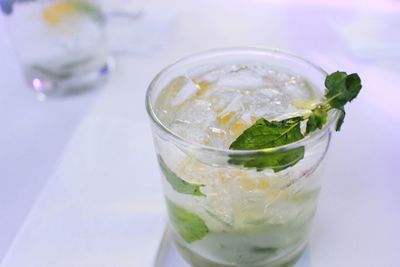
(61,44)
(226,215)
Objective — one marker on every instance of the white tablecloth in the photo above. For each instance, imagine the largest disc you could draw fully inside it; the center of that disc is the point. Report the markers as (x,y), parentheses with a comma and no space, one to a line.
(102,206)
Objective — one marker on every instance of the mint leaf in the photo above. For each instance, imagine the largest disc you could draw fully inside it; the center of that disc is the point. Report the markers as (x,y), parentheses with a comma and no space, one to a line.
(265,134)
(178,183)
(341,88)
(340,119)
(188,224)
(89,9)
(316,120)
(264,250)
(276,160)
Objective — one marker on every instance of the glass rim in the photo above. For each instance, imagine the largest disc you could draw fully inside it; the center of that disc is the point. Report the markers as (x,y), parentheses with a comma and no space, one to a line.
(310,138)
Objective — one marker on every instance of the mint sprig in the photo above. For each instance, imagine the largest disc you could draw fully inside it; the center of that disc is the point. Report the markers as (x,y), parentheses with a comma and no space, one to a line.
(178,183)
(188,224)
(265,134)
(340,90)
(276,160)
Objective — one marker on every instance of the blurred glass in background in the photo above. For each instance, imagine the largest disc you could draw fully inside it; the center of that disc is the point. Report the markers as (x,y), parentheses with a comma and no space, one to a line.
(61,44)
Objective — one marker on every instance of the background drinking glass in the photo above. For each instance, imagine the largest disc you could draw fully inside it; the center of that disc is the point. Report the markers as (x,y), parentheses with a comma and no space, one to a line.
(61,44)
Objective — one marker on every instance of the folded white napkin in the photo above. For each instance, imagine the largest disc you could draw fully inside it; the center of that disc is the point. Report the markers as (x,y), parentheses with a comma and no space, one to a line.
(102,208)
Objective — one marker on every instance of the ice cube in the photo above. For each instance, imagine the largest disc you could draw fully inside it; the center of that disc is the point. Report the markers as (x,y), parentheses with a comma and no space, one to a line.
(275,78)
(251,208)
(193,120)
(299,89)
(235,105)
(282,77)
(177,92)
(189,89)
(195,171)
(164,108)
(211,76)
(217,137)
(241,77)
(220,207)
(221,97)
(264,103)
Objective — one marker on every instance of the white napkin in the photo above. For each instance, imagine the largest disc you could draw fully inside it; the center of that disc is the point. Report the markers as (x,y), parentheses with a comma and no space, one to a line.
(102,208)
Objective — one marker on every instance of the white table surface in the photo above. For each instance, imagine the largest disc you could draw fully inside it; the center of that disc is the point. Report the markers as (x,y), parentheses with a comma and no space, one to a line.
(359,212)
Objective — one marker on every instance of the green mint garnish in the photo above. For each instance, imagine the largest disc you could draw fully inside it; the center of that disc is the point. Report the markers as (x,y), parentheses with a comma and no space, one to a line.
(266,250)
(340,120)
(340,89)
(316,120)
(87,7)
(188,224)
(178,183)
(276,160)
(265,134)
(90,9)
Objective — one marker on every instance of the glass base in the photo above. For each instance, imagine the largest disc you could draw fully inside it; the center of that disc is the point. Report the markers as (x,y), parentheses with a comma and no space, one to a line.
(45,83)
(170,255)
(198,261)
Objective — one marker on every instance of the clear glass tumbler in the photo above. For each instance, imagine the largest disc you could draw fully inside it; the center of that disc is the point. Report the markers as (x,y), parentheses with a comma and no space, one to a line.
(61,44)
(227,215)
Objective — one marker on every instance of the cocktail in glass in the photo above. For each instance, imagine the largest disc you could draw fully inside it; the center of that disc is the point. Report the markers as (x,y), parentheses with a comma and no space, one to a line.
(61,44)
(224,211)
